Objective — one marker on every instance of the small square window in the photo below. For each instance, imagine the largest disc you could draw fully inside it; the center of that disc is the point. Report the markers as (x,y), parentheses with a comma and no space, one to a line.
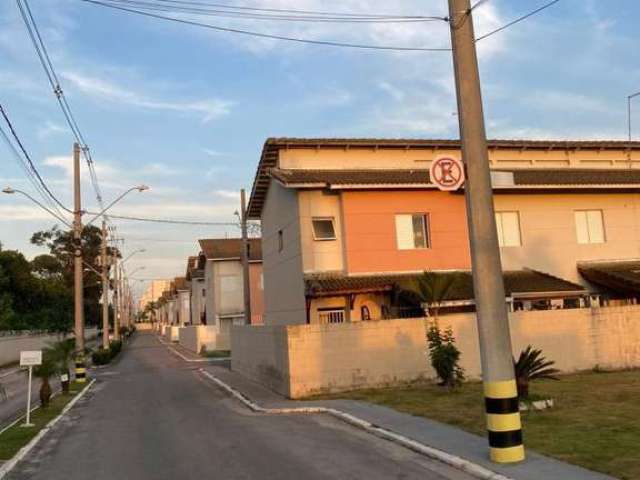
(508,226)
(589,226)
(323,229)
(412,231)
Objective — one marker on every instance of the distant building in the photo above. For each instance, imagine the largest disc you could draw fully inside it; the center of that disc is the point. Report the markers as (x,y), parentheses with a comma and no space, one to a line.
(220,262)
(153,292)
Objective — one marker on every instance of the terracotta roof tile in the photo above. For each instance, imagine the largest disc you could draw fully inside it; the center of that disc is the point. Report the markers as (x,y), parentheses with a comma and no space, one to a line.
(230,248)
(516,282)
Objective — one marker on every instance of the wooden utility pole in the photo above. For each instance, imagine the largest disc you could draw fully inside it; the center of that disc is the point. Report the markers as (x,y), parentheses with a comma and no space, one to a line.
(105,287)
(78,268)
(501,395)
(245,259)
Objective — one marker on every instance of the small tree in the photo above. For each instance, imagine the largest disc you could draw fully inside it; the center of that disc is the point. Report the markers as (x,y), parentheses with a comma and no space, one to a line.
(64,352)
(434,288)
(445,356)
(531,365)
(45,371)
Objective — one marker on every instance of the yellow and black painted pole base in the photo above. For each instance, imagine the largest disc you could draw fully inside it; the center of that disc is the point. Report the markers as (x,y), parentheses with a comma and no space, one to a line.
(503,422)
(81,370)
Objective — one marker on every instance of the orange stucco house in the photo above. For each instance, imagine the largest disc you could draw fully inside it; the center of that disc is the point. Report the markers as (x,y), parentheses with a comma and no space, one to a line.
(346,221)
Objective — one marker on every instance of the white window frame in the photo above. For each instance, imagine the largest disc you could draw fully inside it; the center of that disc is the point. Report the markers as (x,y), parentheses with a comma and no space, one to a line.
(589,240)
(500,228)
(323,219)
(426,227)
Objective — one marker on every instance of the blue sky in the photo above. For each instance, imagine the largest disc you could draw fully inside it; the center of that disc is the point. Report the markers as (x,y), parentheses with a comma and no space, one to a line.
(186,110)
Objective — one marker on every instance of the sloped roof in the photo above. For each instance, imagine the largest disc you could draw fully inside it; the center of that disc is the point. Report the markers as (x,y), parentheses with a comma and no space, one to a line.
(272,146)
(516,282)
(619,276)
(230,248)
(351,177)
(180,283)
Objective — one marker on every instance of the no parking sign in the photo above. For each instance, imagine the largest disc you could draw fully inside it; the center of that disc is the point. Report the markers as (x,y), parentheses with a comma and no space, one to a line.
(447,173)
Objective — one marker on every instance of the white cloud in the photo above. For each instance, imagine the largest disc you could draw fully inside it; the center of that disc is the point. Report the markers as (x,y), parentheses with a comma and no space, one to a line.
(49,128)
(208,109)
(228,194)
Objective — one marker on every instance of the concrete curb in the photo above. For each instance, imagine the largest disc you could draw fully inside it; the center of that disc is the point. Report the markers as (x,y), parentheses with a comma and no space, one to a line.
(6,468)
(454,461)
(194,360)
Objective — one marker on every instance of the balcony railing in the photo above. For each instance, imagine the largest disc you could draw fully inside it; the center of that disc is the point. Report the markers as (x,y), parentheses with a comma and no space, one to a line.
(331,316)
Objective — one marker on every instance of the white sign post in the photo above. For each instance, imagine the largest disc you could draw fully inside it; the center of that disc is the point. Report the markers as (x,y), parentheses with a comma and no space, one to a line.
(29,358)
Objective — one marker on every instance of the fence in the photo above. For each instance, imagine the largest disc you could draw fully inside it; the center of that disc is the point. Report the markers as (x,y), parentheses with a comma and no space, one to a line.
(12,345)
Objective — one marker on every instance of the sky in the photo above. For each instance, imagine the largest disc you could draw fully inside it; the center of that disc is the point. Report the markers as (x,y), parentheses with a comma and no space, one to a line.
(186,110)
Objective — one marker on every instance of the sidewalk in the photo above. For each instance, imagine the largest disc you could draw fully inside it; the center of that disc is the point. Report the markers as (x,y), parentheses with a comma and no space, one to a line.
(428,432)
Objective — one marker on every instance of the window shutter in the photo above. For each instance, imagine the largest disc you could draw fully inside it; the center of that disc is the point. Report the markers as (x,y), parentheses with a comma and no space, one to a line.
(582,228)
(404,232)
(511,229)
(595,226)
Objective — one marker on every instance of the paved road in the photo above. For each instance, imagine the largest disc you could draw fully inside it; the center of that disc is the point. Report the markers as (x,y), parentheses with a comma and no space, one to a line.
(152,416)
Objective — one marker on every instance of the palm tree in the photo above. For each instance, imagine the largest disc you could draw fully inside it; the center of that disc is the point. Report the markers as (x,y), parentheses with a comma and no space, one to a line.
(531,365)
(63,353)
(45,371)
(434,288)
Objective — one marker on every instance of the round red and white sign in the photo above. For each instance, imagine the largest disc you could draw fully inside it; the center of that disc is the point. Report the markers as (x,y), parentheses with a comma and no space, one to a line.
(447,173)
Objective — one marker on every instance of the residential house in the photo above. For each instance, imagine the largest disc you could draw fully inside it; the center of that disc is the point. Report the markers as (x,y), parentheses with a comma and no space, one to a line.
(220,259)
(195,278)
(345,222)
(182,302)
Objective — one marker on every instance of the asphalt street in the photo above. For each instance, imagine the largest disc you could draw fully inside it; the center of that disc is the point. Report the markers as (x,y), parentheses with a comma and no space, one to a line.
(153,416)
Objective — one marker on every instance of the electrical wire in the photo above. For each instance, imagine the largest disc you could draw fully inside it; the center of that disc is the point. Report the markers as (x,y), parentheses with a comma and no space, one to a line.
(47,65)
(30,162)
(517,20)
(216,12)
(266,35)
(284,10)
(167,221)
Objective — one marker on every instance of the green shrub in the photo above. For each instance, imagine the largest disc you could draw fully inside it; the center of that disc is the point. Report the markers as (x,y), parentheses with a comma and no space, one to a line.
(115,346)
(445,356)
(101,356)
(531,365)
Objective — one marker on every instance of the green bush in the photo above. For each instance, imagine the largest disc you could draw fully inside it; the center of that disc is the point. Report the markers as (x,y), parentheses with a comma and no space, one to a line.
(445,356)
(101,356)
(115,346)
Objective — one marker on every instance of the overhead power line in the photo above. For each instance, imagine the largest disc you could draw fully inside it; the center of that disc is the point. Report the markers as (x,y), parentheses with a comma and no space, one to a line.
(517,20)
(266,35)
(168,221)
(47,65)
(199,8)
(31,165)
(282,10)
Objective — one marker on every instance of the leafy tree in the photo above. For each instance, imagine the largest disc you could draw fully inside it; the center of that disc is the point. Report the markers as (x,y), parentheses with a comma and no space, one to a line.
(61,249)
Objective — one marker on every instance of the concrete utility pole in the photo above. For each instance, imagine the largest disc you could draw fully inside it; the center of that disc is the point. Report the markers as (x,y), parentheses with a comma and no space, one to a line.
(500,391)
(116,299)
(245,259)
(78,268)
(105,287)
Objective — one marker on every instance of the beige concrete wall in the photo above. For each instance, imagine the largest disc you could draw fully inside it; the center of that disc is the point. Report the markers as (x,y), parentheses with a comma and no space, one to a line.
(330,358)
(12,345)
(548,231)
(384,158)
(197,300)
(232,301)
(283,273)
(195,337)
(172,333)
(576,339)
(184,306)
(371,300)
(301,360)
(320,255)
(261,354)
(210,287)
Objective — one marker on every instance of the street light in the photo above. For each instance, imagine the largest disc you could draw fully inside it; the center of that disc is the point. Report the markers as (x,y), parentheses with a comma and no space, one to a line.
(140,250)
(11,191)
(139,188)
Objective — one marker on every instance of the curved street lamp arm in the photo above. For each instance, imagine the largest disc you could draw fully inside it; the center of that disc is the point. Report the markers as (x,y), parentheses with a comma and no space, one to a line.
(44,208)
(98,215)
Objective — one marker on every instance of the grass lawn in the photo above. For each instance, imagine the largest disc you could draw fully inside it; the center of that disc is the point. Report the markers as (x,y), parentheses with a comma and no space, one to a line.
(17,437)
(216,354)
(595,423)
